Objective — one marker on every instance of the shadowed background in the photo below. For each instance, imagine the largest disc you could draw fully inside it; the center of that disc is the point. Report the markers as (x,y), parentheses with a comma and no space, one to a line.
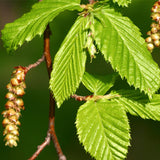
(145,143)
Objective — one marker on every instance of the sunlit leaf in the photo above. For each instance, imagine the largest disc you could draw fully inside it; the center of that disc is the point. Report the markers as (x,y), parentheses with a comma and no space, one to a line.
(34,22)
(69,62)
(103,129)
(121,43)
(97,84)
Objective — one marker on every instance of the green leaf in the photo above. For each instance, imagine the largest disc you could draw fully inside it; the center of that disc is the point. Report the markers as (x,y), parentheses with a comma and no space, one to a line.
(122,2)
(154,105)
(103,129)
(139,105)
(97,84)
(69,62)
(121,43)
(34,22)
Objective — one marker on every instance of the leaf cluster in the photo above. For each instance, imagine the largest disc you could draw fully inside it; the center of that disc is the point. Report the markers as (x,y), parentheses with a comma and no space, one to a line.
(102,124)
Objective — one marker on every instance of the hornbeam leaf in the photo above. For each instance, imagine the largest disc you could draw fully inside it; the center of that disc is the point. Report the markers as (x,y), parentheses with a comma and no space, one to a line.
(34,22)
(69,62)
(121,43)
(97,84)
(122,2)
(139,105)
(103,129)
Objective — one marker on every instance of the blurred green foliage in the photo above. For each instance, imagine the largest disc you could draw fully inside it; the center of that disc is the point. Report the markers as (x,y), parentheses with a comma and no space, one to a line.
(145,133)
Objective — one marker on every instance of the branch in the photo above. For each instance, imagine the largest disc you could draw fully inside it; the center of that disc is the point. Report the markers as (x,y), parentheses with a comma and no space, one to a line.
(91,1)
(34,64)
(51,134)
(94,97)
(48,59)
(41,147)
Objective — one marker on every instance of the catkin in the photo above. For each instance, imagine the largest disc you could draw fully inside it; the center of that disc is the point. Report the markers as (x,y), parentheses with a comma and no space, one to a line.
(13,107)
(153,39)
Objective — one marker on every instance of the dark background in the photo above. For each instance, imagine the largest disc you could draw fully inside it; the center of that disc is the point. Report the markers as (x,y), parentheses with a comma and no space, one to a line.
(145,142)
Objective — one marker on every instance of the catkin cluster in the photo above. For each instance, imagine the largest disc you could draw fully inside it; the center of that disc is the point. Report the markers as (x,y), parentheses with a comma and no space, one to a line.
(13,107)
(154,34)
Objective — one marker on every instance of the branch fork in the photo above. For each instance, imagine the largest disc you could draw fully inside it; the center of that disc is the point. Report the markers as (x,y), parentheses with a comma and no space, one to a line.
(51,134)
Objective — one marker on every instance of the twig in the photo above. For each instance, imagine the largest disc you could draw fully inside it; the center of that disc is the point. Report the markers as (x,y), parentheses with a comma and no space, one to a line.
(35,64)
(41,147)
(94,97)
(91,1)
(48,59)
(51,131)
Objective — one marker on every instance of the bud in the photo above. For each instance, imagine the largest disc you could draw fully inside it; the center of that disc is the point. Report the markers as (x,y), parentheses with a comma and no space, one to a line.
(13,119)
(150,46)
(15,132)
(11,143)
(19,102)
(10,96)
(11,127)
(155,37)
(20,76)
(19,91)
(154,30)
(14,82)
(148,39)
(9,104)
(5,122)
(157,43)
(155,17)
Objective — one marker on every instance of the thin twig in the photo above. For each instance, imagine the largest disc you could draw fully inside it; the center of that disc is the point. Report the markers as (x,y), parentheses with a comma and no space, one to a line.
(35,64)
(41,147)
(94,97)
(91,1)
(51,134)
(48,59)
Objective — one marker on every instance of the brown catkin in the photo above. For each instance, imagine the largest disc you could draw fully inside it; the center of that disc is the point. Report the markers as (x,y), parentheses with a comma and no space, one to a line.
(154,34)
(13,107)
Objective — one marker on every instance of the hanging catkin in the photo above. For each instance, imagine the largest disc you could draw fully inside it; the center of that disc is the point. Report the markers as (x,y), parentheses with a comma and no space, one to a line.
(154,34)
(13,107)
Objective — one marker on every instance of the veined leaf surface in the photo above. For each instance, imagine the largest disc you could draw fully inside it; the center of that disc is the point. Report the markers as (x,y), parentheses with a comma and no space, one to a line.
(103,129)
(69,62)
(97,84)
(139,105)
(122,2)
(34,22)
(121,43)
